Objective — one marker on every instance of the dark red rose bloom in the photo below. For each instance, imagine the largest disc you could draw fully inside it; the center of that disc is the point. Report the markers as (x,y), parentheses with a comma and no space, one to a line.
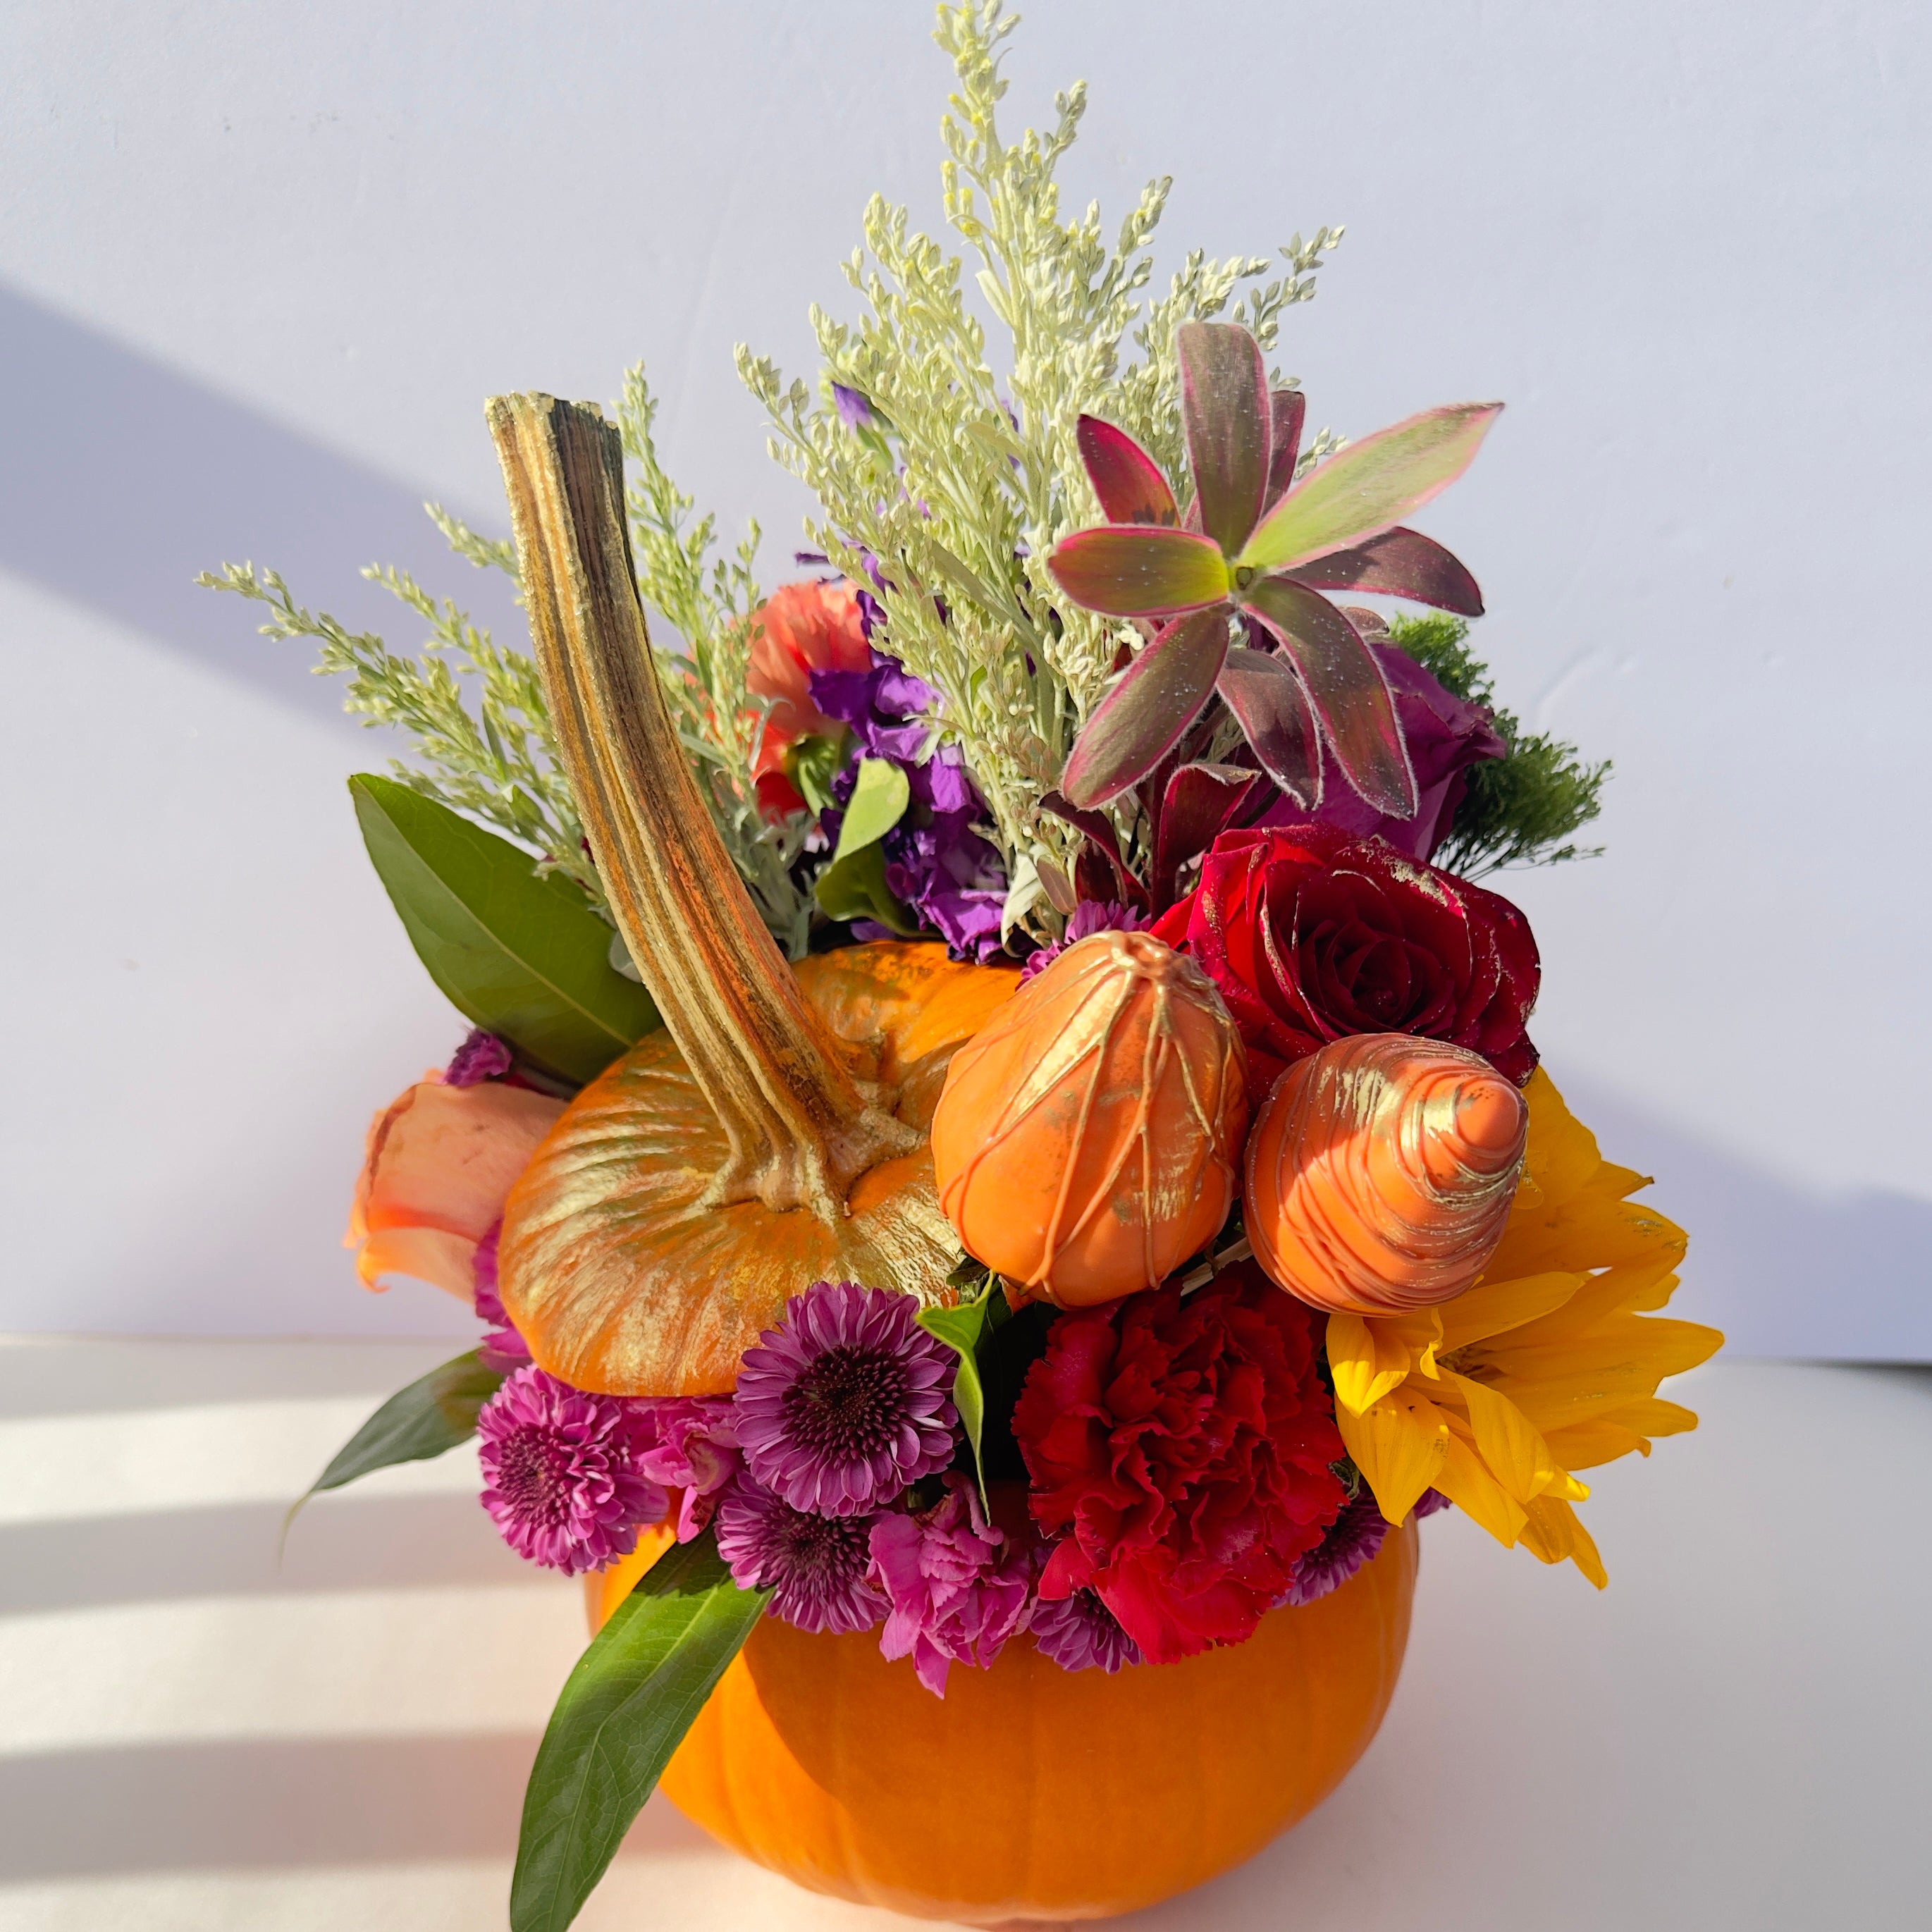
(1180,1448)
(1311,934)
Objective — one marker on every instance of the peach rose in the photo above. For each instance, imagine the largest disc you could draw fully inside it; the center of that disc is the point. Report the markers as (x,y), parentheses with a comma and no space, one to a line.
(800,629)
(439,1166)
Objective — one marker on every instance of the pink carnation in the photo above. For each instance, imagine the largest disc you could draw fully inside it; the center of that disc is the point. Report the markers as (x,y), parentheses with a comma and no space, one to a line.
(689,1444)
(959,1586)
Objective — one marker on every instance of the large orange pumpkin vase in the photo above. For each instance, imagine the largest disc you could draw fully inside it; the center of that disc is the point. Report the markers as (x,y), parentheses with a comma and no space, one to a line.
(775,1135)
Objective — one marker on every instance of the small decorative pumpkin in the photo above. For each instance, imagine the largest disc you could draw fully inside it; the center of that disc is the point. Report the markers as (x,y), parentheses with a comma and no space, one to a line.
(1102,1794)
(1088,1138)
(774,1134)
(1381,1172)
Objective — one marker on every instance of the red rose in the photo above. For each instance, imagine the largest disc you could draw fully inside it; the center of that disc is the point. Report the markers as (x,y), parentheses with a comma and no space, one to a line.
(1180,1447)
(1311,934)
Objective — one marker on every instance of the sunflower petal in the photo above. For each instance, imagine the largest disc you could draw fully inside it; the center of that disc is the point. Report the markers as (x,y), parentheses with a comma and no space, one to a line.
(1398,1446)
(1366,1359)
(1466,1481)
(1350,692)
(1370,486)
(1141,720)
(1127,481)
(1553,1532)
(1133,570)
(1511,1446)
(1491,1307)
(1225,409)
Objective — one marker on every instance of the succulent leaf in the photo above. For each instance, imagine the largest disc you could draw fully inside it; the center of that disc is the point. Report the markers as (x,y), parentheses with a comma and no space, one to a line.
(1127,481)
(1268,700)
(1288,408)
(1224,407)
(1350,695)
(1141,720)
(1370,486)
(1199,803)
(1134,571)
(1398,563)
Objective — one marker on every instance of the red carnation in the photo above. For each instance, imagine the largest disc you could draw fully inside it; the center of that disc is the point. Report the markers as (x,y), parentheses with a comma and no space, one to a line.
(1311,934)
(1183,1445)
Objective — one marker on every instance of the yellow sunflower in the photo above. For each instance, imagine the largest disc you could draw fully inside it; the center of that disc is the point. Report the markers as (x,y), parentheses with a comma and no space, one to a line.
(1546,1366)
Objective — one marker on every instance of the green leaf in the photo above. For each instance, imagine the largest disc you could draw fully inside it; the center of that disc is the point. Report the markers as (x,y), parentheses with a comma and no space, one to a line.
(625,1709)
(811,763)
(880,797)
(1370,487)
(430,1417)
(523,956)
(968,1329)
(856,888)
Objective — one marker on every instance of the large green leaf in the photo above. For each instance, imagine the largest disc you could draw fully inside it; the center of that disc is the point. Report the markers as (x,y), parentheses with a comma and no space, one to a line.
(432,1415)
(524,956)
(855,888)
(624,1710)
(1370,487)
(968,1329)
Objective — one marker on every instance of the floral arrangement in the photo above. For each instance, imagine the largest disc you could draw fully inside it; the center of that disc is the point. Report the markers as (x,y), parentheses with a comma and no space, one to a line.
(996,1122)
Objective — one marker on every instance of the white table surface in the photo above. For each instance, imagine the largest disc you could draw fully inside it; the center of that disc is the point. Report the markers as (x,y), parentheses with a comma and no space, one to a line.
(1737,1734)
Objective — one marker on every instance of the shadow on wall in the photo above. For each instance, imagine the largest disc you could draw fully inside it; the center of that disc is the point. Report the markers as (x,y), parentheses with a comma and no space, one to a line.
(1783,1272)
(120,479)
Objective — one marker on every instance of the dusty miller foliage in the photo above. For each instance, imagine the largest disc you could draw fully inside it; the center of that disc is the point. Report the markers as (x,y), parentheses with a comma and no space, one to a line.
(977,474)
(476,711)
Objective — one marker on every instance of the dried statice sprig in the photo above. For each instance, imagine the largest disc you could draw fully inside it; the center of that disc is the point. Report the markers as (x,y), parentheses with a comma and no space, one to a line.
(486,751)
(476,710)
(944,480)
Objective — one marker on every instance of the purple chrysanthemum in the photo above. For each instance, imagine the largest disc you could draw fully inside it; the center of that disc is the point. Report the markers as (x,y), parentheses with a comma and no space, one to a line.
(814,1566)
(482,1057)
(846,1401)
(958,1584)
(1353,1539)
(1090,917)
(502,1347)
(1429,1503)
(1079,1632)
(560,1474)
(689,1444)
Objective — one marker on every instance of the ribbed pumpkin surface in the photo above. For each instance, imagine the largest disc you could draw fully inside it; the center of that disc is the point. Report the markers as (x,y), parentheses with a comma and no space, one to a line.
(1031,1791)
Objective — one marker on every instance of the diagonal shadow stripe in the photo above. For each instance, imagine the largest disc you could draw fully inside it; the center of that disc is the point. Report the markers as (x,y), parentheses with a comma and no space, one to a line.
(120,478)
(336,1543)
(275,1802)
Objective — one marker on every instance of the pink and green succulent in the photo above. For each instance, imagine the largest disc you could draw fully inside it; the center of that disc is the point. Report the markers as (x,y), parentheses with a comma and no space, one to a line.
(1247,564)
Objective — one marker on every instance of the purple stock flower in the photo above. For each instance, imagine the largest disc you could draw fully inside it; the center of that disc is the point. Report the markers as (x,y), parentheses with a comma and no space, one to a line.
(846,1401)
(1352,1540)
(1428,1502)
(1445,735)
(1079,1632)
(855,412)
(814,1566)
(502,1347)
(689,1443)
(482,1057)
(1090,917)
(935,861)
(560,1476)
(958,1585)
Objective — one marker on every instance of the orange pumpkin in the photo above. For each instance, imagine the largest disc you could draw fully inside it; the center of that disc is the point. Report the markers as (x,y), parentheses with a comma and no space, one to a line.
(621,1285)
(1030,1792)
(1381,1173)
(1088,1140)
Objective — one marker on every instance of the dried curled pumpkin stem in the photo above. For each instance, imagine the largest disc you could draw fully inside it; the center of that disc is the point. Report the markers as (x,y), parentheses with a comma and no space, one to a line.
(800,1128)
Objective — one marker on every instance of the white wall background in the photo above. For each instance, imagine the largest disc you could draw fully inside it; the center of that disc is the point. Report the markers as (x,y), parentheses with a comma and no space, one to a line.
(259,265)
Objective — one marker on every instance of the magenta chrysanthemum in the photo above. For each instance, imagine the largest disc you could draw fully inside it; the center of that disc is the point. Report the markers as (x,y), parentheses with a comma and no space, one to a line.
(482,1057)
(958,1584)
(1080,1633)
(560,1474)
(1352,1540)
(846,1401)
(814,1566)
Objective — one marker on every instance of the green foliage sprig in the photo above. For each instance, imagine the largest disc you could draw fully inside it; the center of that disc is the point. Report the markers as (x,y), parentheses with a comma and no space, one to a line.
(1518,811)
(962,474)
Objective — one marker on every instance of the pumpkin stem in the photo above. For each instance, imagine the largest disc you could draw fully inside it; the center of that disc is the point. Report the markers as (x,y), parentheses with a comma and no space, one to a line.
(800,1128)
